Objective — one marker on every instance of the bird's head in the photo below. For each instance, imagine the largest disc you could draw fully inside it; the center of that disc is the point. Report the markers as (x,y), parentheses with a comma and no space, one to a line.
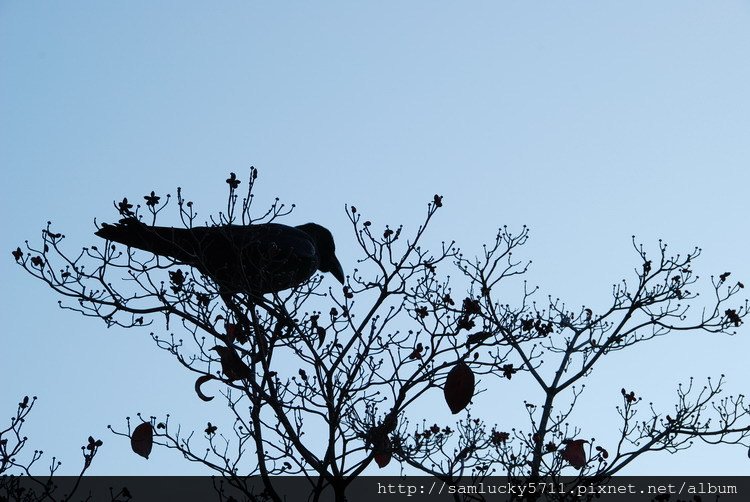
(326,249)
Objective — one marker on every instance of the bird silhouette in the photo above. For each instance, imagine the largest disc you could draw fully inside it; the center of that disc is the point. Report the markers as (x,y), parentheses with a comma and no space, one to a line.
(255,259)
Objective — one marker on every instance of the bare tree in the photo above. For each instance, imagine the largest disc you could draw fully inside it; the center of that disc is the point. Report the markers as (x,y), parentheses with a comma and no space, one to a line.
(324,383)
(18,482)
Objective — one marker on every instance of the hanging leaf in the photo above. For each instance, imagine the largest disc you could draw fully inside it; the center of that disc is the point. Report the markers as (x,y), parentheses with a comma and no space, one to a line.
(459,387)
(382,458)
(201,380)
(574,452)
(142,439)
(381,446)
(321,336)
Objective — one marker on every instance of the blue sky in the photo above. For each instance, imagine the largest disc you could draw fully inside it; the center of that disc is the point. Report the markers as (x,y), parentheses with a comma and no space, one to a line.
(587,121)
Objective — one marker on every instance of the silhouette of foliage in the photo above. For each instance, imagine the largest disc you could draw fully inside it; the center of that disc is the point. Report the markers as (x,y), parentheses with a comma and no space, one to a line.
(328,382)
(17,482)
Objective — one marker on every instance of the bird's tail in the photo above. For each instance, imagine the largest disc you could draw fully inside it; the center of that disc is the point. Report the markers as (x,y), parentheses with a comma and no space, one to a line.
(163,241)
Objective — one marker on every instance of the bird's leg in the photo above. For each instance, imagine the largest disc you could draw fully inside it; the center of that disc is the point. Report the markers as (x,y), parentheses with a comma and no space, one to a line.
(278,311)
(245,327)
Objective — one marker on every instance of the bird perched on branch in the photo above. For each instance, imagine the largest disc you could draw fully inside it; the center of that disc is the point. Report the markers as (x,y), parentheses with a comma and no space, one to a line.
(255,259)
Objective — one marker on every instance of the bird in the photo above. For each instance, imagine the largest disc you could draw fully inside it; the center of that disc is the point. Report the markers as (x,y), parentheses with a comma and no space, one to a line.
(254,259)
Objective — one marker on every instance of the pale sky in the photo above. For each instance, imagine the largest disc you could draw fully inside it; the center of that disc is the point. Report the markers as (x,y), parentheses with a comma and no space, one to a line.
(587,121)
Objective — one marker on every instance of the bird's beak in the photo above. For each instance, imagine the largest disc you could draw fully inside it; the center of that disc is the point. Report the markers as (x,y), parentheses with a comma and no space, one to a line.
(337,271)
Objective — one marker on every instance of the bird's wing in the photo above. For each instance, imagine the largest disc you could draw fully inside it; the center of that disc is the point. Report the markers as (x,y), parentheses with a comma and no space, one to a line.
(176,243)
(261,258)
(277,256)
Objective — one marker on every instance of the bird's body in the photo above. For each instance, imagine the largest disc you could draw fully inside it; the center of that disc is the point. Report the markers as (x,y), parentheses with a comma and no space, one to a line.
(257,259)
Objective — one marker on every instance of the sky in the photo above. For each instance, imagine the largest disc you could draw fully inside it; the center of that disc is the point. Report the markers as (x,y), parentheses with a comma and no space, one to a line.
(589,122)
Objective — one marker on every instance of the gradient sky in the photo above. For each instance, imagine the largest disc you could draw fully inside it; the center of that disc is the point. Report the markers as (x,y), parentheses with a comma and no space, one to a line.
(587,121)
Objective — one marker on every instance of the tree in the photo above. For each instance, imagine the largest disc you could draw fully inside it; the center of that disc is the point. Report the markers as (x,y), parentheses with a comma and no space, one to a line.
(353,365)
(34,487)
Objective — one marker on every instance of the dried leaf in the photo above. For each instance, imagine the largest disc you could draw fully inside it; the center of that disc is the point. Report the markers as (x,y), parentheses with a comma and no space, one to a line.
(381,446)
(574,452)
(382,458)
(198,383)
(142,439)
(459,387)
